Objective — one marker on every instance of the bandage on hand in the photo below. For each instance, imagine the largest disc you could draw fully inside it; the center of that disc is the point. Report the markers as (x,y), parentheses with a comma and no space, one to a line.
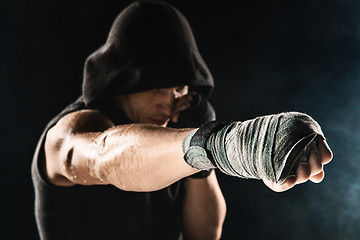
(268,148)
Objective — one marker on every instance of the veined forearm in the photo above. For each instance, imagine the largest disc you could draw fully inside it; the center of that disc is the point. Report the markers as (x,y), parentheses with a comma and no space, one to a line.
(139,157)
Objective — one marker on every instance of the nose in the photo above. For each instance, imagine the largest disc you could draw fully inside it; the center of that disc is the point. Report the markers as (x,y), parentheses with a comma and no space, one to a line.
(179,92)
(171,95)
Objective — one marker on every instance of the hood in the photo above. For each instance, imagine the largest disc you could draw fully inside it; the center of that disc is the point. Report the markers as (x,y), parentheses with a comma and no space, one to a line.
(150,45)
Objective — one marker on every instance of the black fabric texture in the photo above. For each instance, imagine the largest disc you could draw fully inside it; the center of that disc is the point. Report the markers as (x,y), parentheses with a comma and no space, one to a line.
(150,45)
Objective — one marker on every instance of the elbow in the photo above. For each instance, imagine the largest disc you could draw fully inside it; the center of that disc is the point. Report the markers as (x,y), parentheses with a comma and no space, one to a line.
(81,168)
(69,170)
(58,157)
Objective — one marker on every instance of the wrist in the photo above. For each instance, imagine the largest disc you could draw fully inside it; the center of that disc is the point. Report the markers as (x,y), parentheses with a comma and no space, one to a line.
(195,149)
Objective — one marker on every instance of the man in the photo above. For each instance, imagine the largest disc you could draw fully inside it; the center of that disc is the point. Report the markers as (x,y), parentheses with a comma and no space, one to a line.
(109,167)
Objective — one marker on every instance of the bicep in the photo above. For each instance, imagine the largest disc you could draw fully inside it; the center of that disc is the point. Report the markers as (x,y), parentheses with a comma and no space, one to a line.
(67,147)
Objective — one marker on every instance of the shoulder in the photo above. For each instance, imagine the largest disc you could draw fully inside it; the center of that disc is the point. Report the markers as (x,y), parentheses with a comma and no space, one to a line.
(75,123)
(82,121)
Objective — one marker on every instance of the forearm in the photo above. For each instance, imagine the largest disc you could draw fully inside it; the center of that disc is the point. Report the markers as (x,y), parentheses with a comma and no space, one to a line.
(139,157)
(204,208)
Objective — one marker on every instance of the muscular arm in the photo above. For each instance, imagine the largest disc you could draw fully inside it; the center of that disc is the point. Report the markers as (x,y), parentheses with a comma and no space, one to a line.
(86,148)
(204,208)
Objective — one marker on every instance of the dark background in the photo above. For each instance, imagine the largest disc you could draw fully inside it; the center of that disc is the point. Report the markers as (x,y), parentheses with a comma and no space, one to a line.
(265,56)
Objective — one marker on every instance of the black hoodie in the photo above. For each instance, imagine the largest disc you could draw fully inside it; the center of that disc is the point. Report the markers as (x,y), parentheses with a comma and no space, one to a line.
(150,45)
